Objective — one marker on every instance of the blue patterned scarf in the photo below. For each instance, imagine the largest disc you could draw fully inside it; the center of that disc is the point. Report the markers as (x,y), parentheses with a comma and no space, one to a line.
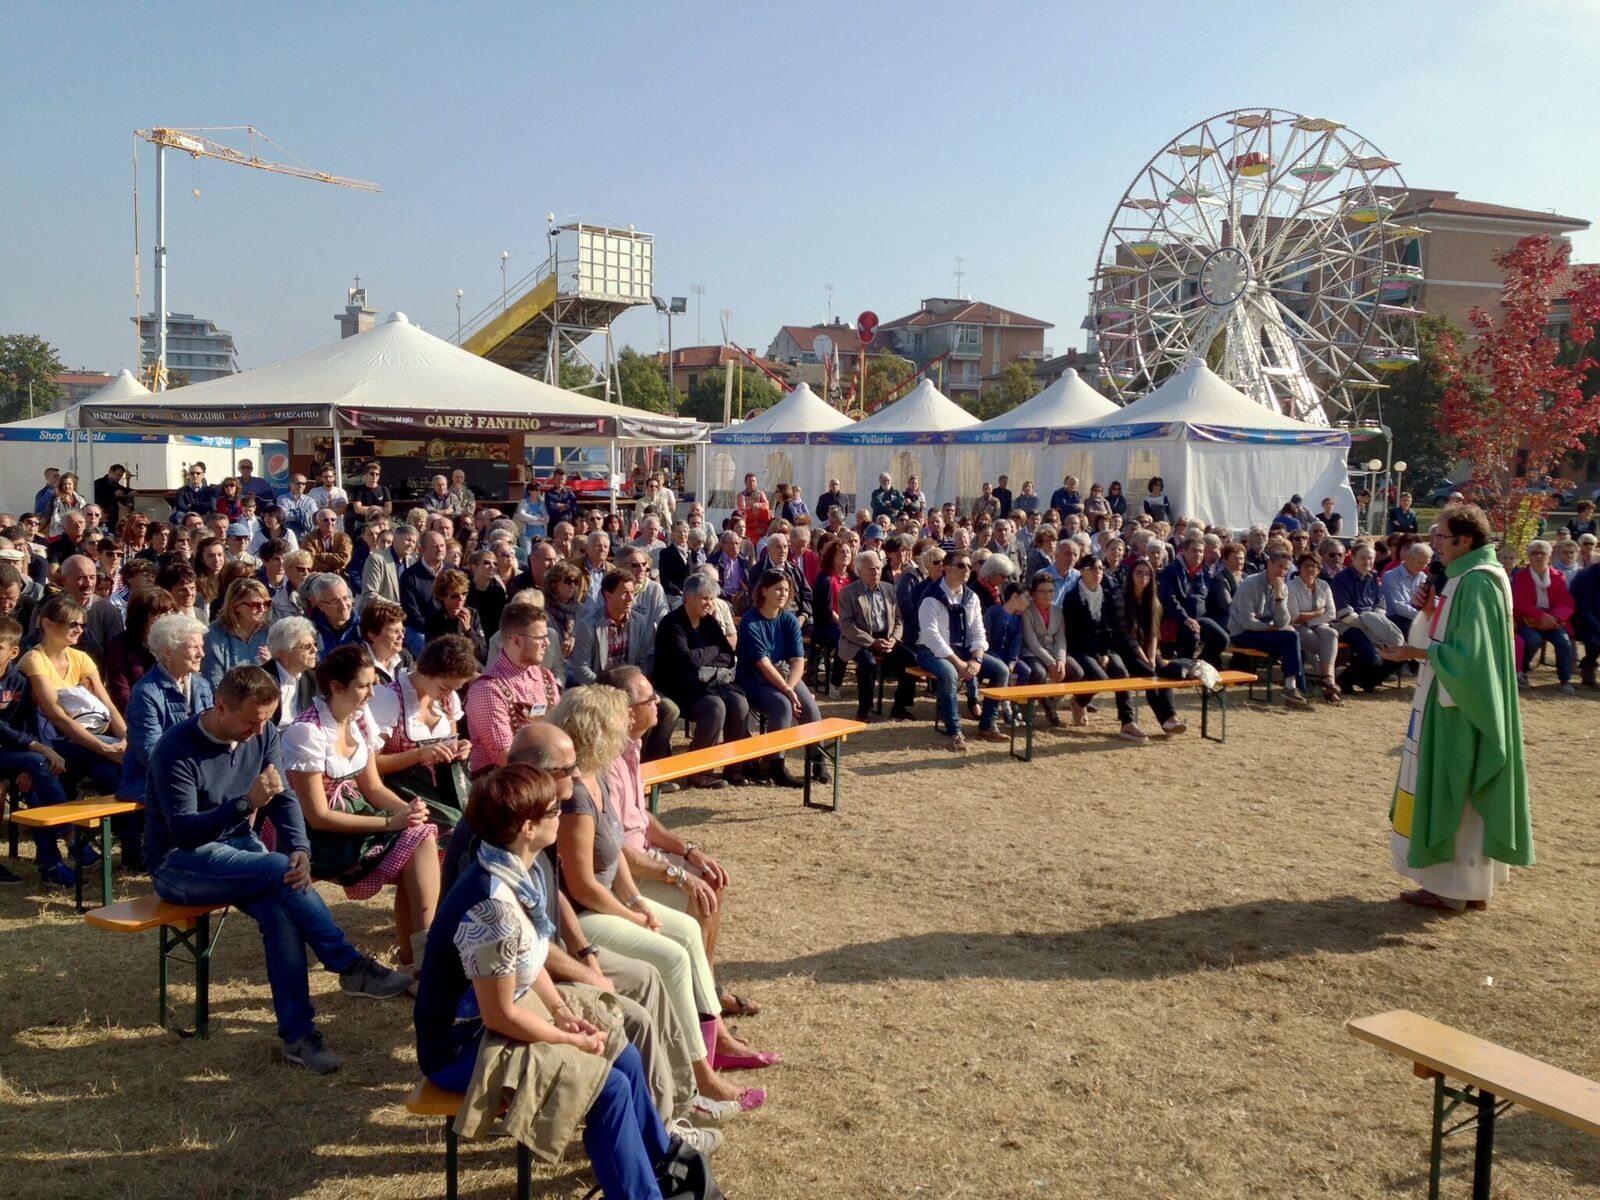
(527,886)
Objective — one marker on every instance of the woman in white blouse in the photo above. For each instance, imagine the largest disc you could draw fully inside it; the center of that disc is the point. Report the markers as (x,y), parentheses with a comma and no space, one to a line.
(362,835)
(417,715)
(1312,608)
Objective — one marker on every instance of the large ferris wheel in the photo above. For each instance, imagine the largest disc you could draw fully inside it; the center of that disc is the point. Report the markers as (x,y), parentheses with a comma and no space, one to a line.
(1262,241)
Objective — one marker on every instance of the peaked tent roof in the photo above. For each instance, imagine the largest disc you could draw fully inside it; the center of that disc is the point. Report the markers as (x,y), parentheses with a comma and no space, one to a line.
(393,378)
(801,411)
(1067,401)
(924,409)
(1196,395)
(123,387)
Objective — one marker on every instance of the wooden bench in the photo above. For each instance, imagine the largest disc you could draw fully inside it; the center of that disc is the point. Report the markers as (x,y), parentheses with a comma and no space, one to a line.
(1265,659)
(181,926)
(730,754)
(81,814)
(429,1100)
(1030,694)
(1494,1079)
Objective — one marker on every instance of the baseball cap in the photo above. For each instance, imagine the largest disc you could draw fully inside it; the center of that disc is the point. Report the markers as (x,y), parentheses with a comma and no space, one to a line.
(874,532)
(237,529)
(10,554)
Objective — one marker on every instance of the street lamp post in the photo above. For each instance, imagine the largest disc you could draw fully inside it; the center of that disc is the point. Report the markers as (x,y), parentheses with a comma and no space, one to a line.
(1374,465)
(1399,478)
(504,254)
(458,316)
(678,306)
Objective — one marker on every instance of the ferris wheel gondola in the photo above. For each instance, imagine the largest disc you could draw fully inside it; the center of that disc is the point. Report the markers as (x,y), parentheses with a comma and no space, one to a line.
(1261,240)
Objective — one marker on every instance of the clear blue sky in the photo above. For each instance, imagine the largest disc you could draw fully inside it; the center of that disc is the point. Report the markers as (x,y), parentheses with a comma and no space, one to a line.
(772,149)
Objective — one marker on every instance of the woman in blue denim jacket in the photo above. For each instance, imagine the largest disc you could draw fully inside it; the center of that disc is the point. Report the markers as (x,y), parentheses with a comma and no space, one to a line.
(166,696)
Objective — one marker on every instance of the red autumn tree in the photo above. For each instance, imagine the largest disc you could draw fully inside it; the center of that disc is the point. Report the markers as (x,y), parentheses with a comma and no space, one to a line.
(1515,405)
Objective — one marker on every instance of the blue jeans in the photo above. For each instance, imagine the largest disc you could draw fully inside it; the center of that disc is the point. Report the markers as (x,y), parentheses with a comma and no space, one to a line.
(991,673)
(623,1134)
(239,871)
(1283,645)
(104,778)
(47,789)
(774,705)
(1531,639)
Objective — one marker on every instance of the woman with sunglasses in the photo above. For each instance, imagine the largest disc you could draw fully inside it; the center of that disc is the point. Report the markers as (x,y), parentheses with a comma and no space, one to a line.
(75,710)
(230,499)
(454,616)
(484,992)
(238,638)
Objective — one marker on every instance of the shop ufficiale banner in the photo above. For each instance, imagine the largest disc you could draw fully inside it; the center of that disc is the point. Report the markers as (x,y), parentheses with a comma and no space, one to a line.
(1183,431)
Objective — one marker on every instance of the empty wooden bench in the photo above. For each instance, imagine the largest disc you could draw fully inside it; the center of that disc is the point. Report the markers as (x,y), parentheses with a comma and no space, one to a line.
(428,1100)
(81,815)
(830,730)
(1028,695)
(180,926)
(1493,1079)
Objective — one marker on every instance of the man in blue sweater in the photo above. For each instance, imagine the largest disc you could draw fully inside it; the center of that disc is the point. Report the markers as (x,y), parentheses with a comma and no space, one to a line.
(1182,590)
(209,776)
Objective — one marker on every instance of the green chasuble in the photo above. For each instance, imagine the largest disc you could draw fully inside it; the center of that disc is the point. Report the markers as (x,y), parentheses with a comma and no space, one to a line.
(1465,741)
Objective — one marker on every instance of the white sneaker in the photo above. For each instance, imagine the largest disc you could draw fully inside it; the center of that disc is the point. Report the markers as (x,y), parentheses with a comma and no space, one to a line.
(834,693)
(704,1140)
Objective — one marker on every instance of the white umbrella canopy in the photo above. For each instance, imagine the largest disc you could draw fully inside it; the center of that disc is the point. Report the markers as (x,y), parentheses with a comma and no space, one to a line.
(393,378)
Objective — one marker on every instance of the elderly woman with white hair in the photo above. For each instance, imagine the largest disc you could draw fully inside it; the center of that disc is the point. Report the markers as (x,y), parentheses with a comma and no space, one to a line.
(168,694)
(293,649)
(1541,609)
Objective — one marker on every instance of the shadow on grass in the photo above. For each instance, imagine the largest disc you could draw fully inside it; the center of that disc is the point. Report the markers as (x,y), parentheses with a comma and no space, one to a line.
(1207,939)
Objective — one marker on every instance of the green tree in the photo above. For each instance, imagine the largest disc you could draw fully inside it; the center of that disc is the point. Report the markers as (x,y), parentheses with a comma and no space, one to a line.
(642,382)
(1410,407)
(886,373)
(575,375)
(177,378)
(27,362)
(704,402)
(1014,387)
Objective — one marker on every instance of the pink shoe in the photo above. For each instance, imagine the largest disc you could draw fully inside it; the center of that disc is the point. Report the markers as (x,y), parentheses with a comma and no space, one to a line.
(743,1062)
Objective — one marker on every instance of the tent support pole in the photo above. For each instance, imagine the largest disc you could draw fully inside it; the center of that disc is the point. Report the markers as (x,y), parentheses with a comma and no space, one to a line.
(703,452)
(338,454)
(616,472)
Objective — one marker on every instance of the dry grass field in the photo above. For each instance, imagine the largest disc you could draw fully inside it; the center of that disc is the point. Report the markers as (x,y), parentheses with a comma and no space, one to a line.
(1120,972)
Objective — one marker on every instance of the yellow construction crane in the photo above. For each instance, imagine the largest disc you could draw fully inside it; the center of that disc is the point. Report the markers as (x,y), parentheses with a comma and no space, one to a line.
(194,143)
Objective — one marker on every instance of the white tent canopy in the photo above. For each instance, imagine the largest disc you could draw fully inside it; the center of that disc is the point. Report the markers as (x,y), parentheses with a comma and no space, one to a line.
(908,437)
(1223,458)
(772,444)
(1016,444)
(58,439)
(396,379)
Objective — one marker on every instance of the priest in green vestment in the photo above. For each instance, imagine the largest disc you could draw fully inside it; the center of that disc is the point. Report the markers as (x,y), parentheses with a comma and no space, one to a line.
(1460,813)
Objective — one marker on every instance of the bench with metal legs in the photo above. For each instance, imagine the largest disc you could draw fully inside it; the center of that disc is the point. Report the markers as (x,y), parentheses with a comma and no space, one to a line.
(185,936)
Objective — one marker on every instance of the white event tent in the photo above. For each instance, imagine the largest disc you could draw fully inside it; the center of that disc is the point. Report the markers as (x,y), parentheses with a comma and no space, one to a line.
(773,445)
(394,380)
(55,439)
(1016,444)
(1224,458)
(908,437)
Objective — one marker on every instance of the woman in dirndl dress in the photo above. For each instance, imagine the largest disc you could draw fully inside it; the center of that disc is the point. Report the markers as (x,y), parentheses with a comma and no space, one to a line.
(421,756)
(363,836)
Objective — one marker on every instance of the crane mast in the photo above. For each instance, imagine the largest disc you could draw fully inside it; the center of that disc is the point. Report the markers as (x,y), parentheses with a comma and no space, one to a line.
(195,144)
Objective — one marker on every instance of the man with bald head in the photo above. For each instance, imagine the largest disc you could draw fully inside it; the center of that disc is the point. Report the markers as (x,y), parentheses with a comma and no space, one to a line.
(74,527)
(416,583)
(103,620)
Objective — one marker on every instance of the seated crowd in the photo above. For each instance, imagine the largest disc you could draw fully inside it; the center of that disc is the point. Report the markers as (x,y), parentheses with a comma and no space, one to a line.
(457,705)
